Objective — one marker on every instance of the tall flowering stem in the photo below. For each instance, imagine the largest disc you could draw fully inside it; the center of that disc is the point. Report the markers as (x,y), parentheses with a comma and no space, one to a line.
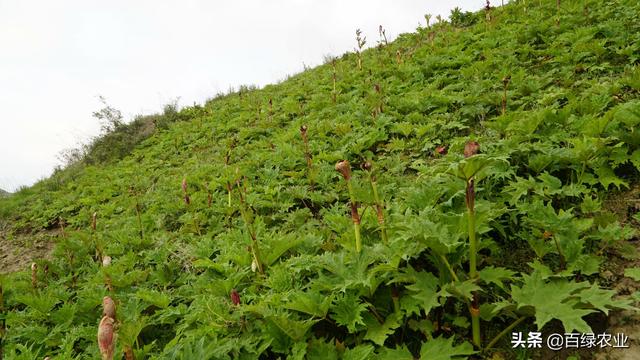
(378,203)
(255,249)
(307,153)
(505,85)
(344,168)
(471,149)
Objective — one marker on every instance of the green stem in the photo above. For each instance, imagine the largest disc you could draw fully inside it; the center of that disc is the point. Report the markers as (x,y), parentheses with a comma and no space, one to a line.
(379,210)
(255,250)
(504,332)
(562,261)
(475,326)
(139,216)
(355,217)
(473,271)
(453,274)
(473,246)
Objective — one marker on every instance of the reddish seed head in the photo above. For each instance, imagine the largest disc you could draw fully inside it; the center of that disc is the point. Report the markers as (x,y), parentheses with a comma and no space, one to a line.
(108,307)
(471,148)
(344,168)
(106,338)
(303,129)
(442,150)
(235,297)
(367,166)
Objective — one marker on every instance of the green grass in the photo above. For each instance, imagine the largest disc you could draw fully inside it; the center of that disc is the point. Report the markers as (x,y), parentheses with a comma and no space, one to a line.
(567,138)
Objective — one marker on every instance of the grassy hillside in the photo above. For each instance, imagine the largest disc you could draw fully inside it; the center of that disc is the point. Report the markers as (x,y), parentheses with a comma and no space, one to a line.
(228,233)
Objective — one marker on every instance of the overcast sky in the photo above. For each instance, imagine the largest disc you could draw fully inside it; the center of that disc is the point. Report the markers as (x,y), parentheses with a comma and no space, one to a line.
(56,57)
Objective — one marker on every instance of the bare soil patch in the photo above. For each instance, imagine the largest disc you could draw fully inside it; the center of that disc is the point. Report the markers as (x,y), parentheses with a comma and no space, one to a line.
(18,252)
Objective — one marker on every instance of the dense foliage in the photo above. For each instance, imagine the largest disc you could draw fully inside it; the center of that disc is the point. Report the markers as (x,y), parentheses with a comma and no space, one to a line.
(230,234)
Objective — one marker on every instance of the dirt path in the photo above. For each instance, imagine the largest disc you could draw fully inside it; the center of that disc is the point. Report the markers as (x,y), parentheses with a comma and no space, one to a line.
(625,322)
(18,252)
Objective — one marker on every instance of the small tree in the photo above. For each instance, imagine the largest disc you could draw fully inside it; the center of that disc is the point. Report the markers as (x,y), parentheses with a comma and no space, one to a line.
(110,117)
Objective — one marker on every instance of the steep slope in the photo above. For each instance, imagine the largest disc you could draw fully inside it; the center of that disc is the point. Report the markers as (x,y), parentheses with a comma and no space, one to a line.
(229,234)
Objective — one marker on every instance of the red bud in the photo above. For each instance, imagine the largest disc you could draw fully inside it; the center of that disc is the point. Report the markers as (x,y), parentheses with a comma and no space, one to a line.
(184,185)
(344,168)
(471,148)
(108,307)
(235,297)
(106,338)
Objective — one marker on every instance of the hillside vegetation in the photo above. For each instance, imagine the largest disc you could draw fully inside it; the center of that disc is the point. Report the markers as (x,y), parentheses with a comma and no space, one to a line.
(481,151)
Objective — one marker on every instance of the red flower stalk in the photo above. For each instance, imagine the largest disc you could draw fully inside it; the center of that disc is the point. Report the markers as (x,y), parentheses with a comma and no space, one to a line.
(106,338)
(235,297)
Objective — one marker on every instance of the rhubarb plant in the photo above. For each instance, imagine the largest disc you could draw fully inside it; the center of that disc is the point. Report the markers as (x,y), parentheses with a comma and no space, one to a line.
(486,160)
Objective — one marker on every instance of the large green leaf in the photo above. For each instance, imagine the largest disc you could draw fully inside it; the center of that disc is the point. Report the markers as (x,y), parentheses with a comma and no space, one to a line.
(309,302)
(443,349)
(377,332)
(425,290)
(553,299)
(347,311)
